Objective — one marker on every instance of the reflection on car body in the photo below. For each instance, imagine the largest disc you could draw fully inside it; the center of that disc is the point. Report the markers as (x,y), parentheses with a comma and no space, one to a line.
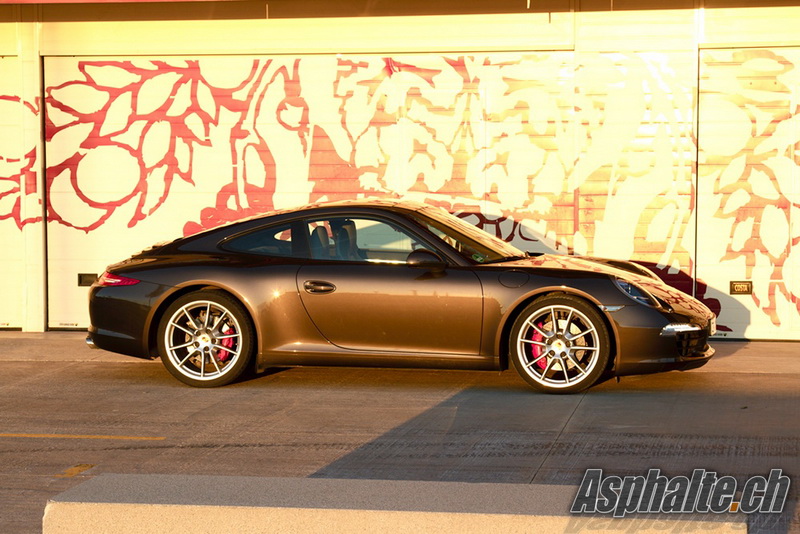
(386,283)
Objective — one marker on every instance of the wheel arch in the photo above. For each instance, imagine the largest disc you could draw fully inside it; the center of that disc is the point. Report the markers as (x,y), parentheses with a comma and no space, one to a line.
(158,313)
(508,323)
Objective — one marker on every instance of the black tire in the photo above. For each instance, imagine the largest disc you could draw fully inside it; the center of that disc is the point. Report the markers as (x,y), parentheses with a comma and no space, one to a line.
(566,359)
(205,339)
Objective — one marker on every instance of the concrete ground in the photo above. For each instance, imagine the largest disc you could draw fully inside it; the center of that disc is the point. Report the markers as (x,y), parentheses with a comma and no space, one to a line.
(68,414)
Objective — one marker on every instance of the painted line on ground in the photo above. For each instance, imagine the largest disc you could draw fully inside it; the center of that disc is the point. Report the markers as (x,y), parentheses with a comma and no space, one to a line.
(74,471)
(83,436)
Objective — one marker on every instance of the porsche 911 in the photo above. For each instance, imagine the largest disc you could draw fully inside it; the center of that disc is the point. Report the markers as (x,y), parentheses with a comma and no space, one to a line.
(390,284)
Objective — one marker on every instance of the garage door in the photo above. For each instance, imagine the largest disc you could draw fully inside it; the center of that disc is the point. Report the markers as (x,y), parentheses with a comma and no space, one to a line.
(17,166)
(749,193)
(588,153)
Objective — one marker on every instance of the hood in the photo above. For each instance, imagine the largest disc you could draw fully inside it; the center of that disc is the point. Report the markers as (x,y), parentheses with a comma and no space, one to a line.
(609,267)
(674,298)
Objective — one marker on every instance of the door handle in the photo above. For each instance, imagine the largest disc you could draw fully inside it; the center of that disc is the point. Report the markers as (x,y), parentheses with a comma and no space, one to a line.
(318,286)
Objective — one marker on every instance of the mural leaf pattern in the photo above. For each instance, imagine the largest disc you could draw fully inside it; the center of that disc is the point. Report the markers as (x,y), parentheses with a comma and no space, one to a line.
(750,152)
(588,153)
(18,176)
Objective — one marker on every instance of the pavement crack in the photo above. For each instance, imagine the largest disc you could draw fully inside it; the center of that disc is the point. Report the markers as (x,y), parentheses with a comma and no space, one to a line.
(558,437)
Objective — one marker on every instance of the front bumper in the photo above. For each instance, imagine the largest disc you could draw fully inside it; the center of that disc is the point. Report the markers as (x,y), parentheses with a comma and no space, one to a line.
(691,340)
(652,341)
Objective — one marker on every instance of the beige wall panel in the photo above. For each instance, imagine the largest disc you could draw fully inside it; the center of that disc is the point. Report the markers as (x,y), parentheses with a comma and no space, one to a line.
(15,161)
(748,203)
(641,30)
(634,176)
(540,31)
(755,26)
(8,39)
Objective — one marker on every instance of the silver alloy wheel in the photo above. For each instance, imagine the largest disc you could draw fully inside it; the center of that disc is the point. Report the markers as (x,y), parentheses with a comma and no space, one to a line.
(203,340)
(558,346)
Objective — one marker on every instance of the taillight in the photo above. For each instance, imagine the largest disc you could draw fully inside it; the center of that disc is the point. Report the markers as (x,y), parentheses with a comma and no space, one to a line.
(111,279)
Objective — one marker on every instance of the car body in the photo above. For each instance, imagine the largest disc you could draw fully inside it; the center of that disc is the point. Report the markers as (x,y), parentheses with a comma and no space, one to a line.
(389,284)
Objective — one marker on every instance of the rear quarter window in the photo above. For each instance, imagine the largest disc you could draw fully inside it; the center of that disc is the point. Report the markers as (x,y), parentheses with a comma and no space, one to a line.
(271,241)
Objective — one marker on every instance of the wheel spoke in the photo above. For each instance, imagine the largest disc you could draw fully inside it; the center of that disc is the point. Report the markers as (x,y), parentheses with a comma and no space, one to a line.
(547,368)
(581,334)
(533,362)
(179,327)
(228,349)
(566,323)
(191,319)
(553,319)
(228,336)
(188,355)
(539,330)
(564,369)
(208,315)
(219,320)
(575,363)
(533,342)
(176,347)
(214,361)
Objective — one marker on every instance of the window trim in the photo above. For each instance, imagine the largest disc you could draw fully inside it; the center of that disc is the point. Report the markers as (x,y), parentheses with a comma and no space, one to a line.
(404,223)
(406,229)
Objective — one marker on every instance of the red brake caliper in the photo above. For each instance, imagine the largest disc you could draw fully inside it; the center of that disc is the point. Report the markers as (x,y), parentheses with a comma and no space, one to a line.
(227,342)
(538,349)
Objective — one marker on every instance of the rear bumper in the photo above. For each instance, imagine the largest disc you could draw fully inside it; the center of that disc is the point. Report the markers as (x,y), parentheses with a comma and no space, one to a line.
(119,318)
(115,342)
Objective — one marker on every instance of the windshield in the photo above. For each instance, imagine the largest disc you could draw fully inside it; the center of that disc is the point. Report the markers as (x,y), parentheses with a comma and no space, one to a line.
(470,241)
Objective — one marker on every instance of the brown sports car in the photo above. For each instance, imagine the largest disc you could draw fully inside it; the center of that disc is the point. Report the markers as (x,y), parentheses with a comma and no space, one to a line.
(390,284)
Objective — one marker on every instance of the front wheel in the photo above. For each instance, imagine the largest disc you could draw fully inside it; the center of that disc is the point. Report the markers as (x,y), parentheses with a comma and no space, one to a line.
(205,339)
(559,344)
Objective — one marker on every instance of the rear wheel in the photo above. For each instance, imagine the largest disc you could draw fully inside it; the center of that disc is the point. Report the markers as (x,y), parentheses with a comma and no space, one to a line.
(205,339)
(559,344)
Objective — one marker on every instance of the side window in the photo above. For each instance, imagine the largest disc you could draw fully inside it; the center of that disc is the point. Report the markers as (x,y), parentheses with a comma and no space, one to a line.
(285,239)
(334,239)
(361,239)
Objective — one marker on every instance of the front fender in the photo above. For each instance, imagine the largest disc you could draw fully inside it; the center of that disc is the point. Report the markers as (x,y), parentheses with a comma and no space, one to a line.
(503,304)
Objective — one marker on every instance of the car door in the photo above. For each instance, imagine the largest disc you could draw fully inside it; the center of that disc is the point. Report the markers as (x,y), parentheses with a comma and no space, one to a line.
(361,294)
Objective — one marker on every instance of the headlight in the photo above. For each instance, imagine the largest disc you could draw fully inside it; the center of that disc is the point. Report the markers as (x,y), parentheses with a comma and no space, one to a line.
(637,293)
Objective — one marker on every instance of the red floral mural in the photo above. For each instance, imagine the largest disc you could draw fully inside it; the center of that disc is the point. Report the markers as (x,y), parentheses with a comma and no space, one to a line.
(591,153)
(749,164)
(17,164)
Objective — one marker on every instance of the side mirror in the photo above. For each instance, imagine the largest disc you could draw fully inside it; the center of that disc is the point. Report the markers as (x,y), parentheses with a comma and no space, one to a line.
(425,259)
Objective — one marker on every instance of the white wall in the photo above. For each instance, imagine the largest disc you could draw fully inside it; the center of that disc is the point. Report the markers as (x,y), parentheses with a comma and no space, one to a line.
(579,130)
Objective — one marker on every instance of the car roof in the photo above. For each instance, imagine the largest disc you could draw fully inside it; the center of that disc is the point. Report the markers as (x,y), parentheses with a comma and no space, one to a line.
(384,203)
(403,205)
(256,220)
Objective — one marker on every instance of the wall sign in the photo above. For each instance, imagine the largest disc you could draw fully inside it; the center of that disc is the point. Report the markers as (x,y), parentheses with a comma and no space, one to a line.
(741,288)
